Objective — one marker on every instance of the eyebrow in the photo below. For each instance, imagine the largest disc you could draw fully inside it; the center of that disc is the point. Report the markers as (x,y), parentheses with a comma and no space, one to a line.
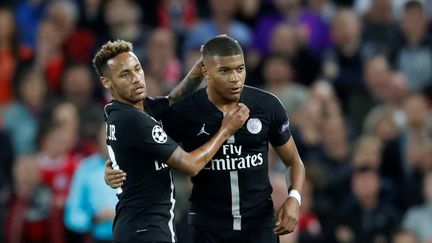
(228,67)
(127,70)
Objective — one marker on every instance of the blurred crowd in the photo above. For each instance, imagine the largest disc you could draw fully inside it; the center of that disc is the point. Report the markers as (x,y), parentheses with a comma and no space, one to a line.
(355,77)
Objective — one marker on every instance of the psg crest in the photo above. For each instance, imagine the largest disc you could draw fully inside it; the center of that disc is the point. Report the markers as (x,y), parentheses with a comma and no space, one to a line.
(159,134)
(254,125)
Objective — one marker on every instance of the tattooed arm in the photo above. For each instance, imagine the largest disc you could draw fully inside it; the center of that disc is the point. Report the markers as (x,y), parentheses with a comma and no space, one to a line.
(189,84)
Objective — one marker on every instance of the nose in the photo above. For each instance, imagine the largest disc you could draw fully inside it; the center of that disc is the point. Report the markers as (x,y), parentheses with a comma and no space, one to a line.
(136,77)
(234,77)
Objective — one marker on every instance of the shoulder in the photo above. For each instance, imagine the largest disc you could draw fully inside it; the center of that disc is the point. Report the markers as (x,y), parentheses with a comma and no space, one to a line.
(120,113)
(260,97)
(188,102)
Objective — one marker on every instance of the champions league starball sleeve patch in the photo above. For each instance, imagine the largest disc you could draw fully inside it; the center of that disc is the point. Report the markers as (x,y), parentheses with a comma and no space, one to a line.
(159,134)
(284,126)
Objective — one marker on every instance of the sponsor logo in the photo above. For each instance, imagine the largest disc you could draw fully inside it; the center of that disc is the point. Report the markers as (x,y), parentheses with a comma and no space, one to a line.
(202,131)
(160,166)
(233,159)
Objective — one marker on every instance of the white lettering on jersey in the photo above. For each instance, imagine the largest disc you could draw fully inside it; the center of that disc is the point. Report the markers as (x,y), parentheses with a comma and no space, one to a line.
(111,132)
(114,164)
(159,165)
(234,160)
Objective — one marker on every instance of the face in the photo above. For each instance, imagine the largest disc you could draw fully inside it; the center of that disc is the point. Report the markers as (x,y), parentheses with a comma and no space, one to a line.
(125,79)
(346,27)
(277,72)
(225,76)
(77,84)
(7,25)
(366,185)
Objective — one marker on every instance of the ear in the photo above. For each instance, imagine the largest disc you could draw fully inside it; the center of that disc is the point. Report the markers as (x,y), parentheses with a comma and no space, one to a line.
(204,71)
(105,82)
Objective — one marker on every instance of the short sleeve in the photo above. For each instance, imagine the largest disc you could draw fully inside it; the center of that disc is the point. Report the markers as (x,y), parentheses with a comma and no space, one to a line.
(148,136)
(279,129)
(172,123)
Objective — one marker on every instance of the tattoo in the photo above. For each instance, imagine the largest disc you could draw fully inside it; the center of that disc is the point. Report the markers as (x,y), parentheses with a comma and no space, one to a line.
(186,86)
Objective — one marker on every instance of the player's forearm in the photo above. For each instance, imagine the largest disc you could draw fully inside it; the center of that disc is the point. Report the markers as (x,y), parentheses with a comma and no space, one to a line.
(297,175)
(291,158)
(204,153)
(191,163)
(188,85)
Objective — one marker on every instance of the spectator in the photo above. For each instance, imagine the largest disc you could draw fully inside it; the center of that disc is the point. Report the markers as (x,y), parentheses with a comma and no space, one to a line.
(414,58)
(57,160)
(10,53)
(365,217)
(162,62)
(314,29)
(123,19)
(90,207)
(405,236)
(342,65)
(29,216)
(278,77)
(21,118)
(380,28)
(78,88)
(222,21)
(418,219)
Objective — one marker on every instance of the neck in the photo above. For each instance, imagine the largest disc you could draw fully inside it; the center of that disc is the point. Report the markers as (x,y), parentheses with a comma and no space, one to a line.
(415,39)
(139,105)
(5,45)
(350,48)
(369,203)
(224,105)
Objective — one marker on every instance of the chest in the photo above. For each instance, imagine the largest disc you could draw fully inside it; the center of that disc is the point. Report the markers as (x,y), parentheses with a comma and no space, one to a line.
(198,128)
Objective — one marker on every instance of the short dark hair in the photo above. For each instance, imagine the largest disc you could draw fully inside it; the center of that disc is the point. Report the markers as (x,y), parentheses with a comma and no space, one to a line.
(108,51)
(413,4)
(222,46)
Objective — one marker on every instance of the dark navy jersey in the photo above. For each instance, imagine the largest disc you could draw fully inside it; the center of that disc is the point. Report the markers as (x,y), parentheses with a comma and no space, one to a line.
(233,190)
(138,145)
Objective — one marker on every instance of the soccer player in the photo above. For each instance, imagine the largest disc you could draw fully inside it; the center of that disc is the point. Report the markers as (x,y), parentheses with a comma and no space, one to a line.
(231,197)
(138,145)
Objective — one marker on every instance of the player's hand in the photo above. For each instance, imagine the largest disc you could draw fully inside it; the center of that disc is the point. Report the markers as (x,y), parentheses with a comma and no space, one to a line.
(287,217)
(235,118)
(113,178)
(196,70)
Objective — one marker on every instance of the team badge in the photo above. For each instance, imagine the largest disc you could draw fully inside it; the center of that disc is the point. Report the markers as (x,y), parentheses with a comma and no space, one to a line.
(254,125)
(159,134)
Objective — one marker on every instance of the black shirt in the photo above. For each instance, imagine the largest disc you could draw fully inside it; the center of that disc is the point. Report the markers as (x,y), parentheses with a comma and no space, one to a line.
(233,191)
(140,147)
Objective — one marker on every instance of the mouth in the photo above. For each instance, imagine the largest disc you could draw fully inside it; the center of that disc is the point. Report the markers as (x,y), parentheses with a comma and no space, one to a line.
(139,90)
(235,90)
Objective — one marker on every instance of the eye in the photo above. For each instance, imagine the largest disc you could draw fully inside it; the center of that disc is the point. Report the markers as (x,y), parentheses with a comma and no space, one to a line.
(138,68)
(240,69)
(124,75)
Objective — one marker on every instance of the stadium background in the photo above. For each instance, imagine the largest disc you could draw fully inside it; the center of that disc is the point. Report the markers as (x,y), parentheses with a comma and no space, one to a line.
(355,77)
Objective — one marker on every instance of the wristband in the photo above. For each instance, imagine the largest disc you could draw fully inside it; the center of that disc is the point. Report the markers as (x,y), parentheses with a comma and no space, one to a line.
(295,194)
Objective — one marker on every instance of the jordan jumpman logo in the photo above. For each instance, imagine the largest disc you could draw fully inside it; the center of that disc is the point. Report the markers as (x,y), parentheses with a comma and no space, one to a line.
(202,131)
